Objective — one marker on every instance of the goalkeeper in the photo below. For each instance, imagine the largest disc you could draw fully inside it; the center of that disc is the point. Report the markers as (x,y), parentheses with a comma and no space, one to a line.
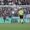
(21,14)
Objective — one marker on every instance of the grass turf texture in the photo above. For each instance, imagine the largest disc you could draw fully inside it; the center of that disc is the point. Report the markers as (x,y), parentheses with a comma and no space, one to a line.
(14,26)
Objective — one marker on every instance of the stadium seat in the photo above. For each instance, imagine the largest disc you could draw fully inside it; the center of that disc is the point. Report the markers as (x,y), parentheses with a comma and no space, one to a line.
(8,20)
(16,19)
(1,20)
(27,18)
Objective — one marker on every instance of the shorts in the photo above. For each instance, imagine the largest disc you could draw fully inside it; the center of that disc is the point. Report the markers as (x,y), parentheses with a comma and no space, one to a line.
(21,16)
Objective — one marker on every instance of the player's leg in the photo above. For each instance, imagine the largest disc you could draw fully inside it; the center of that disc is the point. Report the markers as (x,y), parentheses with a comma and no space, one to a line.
(21,17)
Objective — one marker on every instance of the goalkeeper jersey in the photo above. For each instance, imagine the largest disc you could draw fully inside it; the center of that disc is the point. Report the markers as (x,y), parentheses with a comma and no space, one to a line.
(21,12)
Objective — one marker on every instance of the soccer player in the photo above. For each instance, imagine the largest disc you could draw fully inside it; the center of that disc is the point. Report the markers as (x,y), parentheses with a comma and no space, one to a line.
(21,14)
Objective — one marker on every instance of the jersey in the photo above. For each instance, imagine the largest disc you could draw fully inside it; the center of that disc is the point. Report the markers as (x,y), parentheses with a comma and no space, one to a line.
(21,12)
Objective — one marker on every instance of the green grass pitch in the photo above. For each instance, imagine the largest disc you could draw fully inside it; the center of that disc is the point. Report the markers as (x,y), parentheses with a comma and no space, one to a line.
(14,26)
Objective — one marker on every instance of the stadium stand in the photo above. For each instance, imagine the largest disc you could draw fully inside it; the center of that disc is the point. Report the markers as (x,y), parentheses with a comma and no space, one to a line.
(10,8)
(9,12)
(17,2)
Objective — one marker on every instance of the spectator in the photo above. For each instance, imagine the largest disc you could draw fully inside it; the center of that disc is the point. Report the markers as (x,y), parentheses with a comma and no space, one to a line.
(17,2)
(23,2)
(0,2)
(5,2)
(27,3)
(11,3)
